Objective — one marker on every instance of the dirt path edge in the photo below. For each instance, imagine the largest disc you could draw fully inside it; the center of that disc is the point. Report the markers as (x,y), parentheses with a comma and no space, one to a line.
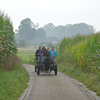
(93,94)
(30,83)
(26,91)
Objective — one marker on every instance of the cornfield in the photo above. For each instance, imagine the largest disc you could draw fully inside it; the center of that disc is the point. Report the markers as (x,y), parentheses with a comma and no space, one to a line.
(7,40)
(83,51)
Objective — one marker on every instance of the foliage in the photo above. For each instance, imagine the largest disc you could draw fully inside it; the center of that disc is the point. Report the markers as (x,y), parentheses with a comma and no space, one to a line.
(22,43)
(68,30)
(48,28)
(41,33)
(26,30)
(7,39)
(82,51)
(79,57)
(13,83)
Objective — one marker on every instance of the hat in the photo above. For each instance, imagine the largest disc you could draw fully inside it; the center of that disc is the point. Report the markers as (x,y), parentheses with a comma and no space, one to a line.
(39,46)
(43,45)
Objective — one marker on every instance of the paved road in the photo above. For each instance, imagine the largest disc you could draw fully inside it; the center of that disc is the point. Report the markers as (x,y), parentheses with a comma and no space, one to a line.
(54,87)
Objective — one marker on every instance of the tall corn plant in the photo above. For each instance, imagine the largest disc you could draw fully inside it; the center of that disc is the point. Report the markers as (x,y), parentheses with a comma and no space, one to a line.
(7,39)
(84,51)
(64,48)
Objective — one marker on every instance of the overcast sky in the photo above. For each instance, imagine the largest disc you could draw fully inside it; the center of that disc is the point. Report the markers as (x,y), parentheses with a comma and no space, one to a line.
(58,12)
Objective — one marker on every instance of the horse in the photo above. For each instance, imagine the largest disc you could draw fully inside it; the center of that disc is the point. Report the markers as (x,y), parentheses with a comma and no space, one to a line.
(47,62)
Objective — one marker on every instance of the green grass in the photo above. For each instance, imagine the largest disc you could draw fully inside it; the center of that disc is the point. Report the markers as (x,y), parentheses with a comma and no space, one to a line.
(13,83)
(27,57)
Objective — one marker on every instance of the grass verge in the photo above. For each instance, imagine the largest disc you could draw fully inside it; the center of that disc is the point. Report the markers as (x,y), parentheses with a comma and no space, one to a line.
(13,83)
(90,80)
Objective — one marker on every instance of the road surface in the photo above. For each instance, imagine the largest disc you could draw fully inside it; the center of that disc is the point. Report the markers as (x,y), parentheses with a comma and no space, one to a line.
(54,87)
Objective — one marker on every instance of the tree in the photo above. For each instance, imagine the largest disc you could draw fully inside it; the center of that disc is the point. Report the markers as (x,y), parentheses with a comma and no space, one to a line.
(68,30)
(26,29)
(26,22)
(48,28)
(22,43)
(59,31)
(80,28)
(41,33)
(37,25)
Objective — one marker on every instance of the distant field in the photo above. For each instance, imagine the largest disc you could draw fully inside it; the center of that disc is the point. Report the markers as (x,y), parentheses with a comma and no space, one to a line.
(27,55)
(26,51)
(29,48)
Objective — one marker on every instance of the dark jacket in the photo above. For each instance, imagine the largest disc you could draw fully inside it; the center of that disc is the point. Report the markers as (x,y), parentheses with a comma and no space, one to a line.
(44,51)
(37,52)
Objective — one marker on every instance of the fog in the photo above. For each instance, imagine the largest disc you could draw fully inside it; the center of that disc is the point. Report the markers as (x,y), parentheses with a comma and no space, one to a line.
(58,12)
(49,34)
(52,20)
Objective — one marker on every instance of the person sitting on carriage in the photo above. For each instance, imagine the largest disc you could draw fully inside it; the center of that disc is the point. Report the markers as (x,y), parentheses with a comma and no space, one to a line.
(44,50)
(48,50)
(53,53)
(38,53)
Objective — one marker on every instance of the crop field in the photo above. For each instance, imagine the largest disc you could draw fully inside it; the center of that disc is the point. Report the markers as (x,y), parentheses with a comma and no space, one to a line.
(79,57)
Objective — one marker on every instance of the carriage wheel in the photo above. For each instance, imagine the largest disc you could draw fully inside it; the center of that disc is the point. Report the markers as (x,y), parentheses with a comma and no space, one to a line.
(56,70)
(35,68)
(38,71)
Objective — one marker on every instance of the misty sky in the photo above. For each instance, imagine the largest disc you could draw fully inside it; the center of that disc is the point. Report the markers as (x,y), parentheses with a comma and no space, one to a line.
(58,12)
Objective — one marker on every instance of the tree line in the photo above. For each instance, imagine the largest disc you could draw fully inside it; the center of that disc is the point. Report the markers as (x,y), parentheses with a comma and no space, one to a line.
(68,30)
(27,30)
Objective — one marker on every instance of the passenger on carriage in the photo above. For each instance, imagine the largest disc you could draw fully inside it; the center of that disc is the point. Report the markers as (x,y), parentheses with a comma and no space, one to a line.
(48,50)
(53,53)
(44,50)
(38,53)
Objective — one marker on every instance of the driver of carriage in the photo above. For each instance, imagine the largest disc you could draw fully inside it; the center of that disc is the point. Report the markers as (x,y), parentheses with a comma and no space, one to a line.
(44,50)
(38,53)
(53,53)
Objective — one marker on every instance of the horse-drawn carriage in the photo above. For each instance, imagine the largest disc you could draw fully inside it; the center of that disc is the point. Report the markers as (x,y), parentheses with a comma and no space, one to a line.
(47,65)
